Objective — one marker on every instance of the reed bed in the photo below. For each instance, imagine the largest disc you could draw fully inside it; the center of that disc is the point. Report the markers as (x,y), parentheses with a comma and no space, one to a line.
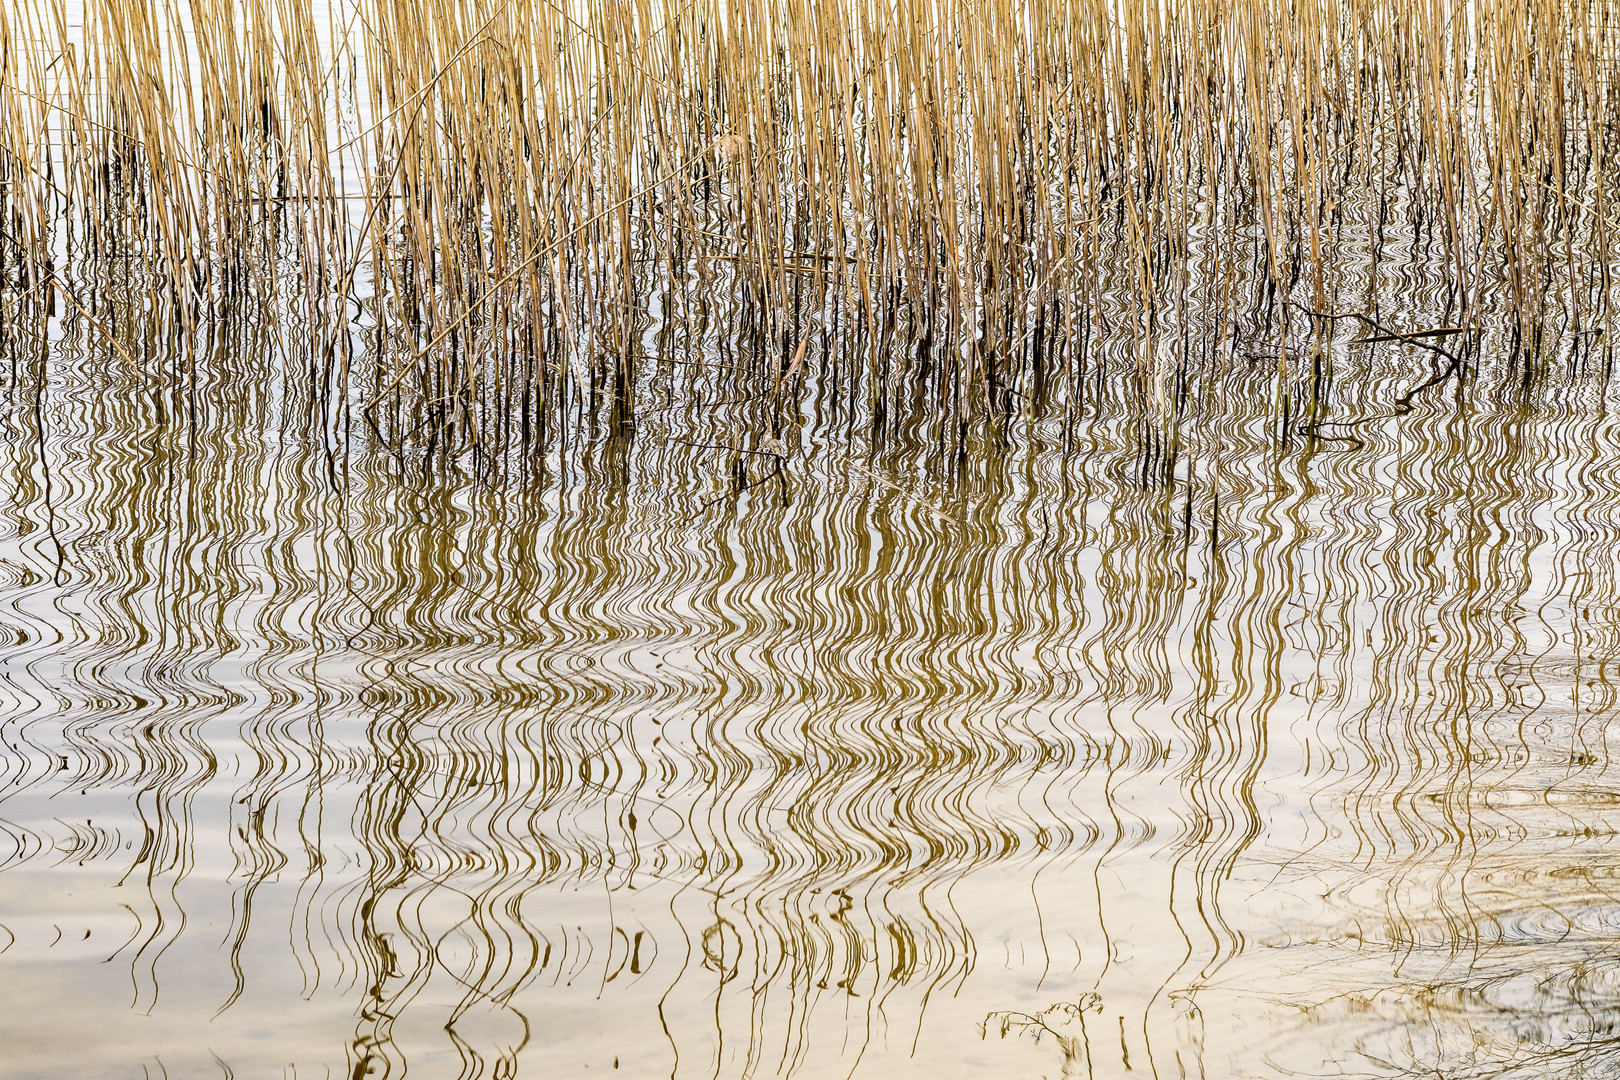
(458,214)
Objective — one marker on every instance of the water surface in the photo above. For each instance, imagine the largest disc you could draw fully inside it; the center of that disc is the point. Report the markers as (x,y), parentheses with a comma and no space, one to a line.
(1126,732)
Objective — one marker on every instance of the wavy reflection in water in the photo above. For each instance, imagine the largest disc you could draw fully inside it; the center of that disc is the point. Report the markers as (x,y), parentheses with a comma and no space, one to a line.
(1195,719)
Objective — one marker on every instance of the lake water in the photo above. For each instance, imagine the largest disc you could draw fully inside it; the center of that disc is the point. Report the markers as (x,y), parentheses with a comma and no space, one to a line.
(1057,752)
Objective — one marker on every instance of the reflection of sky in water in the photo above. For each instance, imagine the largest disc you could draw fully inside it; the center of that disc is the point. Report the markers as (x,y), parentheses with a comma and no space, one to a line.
(1020,770)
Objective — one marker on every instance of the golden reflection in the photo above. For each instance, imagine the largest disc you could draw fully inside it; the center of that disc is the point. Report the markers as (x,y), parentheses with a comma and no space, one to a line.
(1204,717)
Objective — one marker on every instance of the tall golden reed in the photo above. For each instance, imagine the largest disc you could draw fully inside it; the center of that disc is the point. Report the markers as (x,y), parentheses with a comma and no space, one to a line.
(469,172)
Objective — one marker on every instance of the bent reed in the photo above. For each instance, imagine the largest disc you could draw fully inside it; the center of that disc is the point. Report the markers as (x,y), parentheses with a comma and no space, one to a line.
(459,211)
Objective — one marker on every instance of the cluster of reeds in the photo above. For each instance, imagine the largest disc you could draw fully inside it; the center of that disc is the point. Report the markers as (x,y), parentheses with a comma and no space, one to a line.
(458,211)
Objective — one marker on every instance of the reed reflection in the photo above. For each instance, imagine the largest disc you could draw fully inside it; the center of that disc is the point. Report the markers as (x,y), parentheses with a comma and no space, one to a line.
(1196,717)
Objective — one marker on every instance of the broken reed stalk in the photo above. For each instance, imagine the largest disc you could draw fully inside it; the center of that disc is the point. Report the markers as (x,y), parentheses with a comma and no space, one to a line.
(472,187)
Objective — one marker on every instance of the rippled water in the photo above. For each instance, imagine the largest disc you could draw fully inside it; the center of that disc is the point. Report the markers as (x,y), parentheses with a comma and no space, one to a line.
(1139,730)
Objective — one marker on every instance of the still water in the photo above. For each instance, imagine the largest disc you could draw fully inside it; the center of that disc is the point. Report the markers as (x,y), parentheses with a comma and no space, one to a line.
(1078,750)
